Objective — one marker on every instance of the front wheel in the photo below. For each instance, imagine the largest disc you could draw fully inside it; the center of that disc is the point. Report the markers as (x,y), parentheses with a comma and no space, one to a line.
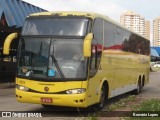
(102,101)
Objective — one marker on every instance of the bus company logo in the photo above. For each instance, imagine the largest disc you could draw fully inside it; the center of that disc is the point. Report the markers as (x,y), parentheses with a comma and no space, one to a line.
(21,82)
(46,89)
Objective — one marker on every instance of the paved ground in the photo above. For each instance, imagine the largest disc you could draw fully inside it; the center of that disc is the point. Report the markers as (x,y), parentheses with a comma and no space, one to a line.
(153,88)
(8,102)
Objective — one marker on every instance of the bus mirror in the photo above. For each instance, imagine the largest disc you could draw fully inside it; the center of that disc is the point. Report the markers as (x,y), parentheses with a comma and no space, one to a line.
(87,45)
(7,43)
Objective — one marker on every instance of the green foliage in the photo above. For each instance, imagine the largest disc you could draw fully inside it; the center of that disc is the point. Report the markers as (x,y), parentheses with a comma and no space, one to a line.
(147,106)
(121,103)
(152,104)
(88,118)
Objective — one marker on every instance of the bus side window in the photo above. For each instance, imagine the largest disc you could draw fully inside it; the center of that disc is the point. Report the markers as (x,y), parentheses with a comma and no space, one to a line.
(95,61)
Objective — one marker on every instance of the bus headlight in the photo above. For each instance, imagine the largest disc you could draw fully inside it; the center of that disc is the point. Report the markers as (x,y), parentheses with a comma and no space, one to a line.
(76,91)
(23,88)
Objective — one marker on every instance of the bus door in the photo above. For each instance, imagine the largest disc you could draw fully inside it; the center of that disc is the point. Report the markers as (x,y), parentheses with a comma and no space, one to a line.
(95,74)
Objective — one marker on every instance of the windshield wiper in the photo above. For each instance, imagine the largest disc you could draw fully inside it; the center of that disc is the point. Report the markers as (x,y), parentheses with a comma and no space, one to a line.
(40,50)
(57,66)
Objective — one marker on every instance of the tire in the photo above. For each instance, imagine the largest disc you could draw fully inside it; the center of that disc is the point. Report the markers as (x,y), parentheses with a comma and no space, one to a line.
(138,89)
(143,82)
(99,106)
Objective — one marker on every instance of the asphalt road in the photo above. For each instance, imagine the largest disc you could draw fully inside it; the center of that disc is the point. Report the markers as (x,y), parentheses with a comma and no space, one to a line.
(152,90)
(9,103)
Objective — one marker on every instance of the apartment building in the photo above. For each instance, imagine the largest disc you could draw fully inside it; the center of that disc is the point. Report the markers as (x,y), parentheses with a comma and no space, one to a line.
(156,32)
(136,22)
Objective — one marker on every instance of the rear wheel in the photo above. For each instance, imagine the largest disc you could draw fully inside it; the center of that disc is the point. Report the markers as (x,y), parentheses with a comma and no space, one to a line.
(143,81)
(139,88)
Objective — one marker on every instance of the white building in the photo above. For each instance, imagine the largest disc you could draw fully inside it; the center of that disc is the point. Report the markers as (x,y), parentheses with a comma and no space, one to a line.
(156,32)
(136,22)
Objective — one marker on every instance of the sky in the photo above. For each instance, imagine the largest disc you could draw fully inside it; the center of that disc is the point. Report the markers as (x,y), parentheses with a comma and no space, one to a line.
(149,9)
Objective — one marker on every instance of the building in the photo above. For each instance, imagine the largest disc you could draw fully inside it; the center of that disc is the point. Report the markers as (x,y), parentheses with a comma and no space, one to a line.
(156,32)
(136,22)
(147,29)
(12,16)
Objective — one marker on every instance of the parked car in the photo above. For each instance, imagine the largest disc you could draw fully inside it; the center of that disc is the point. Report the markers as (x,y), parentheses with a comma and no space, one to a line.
(157,64)
(152,65)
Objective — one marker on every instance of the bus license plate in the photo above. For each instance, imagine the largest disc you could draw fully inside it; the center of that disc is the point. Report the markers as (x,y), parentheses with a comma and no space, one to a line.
(46,100)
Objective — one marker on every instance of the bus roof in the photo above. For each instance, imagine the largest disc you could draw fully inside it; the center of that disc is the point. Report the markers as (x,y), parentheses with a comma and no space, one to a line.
(67,13)
(86,14)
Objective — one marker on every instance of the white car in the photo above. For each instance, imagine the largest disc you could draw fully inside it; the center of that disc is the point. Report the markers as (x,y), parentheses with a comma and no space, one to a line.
(157,64)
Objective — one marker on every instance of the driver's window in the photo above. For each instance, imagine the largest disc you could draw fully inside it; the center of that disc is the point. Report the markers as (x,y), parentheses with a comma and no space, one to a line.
(95,60)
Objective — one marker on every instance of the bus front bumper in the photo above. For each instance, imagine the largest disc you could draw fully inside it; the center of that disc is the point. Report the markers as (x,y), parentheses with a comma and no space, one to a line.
(70,100)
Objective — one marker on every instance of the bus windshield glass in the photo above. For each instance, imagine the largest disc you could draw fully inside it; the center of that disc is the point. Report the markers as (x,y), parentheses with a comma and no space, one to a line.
(56,26)
(51,58)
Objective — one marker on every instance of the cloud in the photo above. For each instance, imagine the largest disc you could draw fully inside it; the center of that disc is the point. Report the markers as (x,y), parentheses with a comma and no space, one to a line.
(99,6)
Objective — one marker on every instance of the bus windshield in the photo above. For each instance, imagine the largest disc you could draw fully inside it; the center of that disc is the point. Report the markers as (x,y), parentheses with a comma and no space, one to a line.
(51,58)
(55,26)
(45,52)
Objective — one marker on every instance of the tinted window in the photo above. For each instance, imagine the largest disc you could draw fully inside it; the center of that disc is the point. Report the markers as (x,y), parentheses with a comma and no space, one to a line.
(138,44)
(118,38)
(55,26)
(125,44)
(98,31)
(95,60)
(109,35)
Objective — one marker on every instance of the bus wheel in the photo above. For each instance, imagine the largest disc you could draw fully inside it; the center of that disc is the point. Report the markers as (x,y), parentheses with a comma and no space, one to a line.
(102,100)
(139,88)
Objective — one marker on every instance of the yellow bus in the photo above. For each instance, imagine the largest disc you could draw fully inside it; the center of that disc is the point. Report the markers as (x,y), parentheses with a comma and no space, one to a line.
(78,59)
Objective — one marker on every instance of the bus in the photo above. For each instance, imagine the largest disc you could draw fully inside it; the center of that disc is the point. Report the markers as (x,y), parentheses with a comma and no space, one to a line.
(78,59)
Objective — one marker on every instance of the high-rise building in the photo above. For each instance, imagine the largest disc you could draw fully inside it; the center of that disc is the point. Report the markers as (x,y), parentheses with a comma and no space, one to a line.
(136,22)
(147,29)
(156,32)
